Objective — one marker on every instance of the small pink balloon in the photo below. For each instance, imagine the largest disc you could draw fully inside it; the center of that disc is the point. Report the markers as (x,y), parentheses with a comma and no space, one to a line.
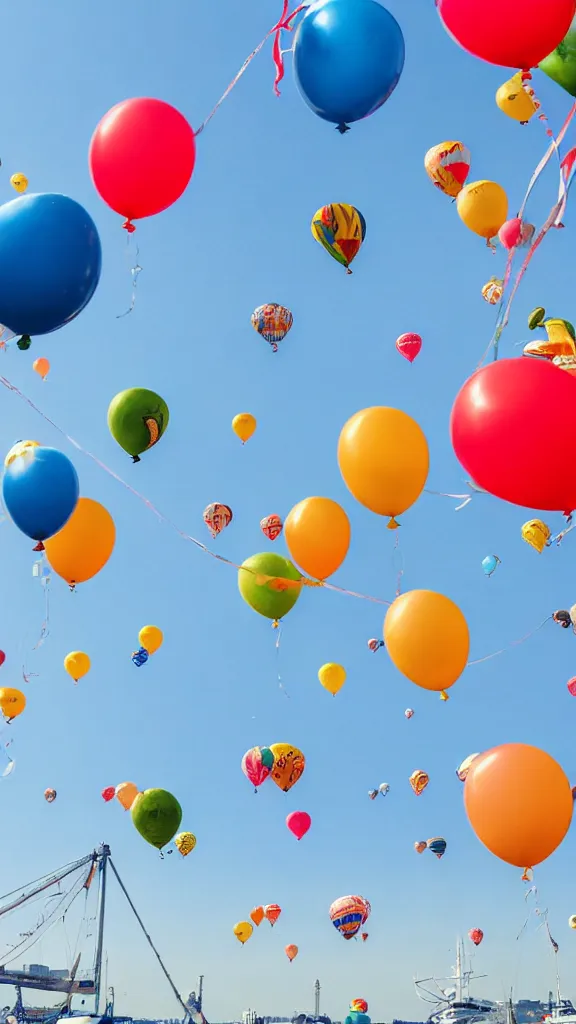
(298,822)
(571,684)
(511,233)
(409,346)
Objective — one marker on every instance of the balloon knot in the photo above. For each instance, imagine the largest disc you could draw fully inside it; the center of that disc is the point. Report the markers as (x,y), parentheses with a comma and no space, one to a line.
(275,624)
(135,458)
(129,226)
(528,875)
(24,342)
(392,524)
(342,128)
(39,546)
(444,695)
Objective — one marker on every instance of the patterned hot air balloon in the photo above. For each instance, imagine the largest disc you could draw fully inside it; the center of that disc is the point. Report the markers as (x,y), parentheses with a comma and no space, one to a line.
(421,846)
(271,526)
(448,166)
(364,936)
(185,843)
(571,684)
(476,935)
(437,846)
(493,290)
(341,229)
(109,793)
(50,795)
(408,713)
(273,322)
(257,764)
(536,534)
(409,346)
(464,768)
(419,780)
(348,914)
(289,764)
(217,517)
(375,645)
(272,913)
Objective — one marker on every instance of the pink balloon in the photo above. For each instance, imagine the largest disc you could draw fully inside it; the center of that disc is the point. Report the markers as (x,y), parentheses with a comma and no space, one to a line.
(2,657)
(409,346)
(298,822)
(510,233)
(253,766)
(571,684)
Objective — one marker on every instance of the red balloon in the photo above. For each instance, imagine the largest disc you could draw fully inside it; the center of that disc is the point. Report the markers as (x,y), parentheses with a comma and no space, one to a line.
(512,34)
(2,657)
(476,935)
(409,346)
(510,425)
(109,793)
(141,157)
(571,684)
(298,822)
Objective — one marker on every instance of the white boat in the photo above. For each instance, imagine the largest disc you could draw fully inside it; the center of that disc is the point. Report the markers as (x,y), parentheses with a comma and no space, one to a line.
(453,1003)
(561,1012)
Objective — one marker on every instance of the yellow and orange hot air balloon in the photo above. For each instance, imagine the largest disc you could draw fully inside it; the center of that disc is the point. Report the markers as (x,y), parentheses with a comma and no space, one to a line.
(272,912)
(244,425)
(126,794)
(291,952)
(289,763)
(448,166)
(537,534)
(340,229)
(419,780)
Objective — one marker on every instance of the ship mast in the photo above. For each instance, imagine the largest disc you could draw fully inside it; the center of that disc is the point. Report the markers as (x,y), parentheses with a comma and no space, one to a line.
(317,999)
(458,971)
(104,854)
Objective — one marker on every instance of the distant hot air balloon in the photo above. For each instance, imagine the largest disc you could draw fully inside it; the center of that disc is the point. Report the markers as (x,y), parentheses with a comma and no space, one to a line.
(340,229)
(490,564)
(383,788)
(50,795)
(272,912)
(272,322)
(464,768)
(257,764)
(448,166)
(140,657)
(571,684)
(364,936)
(109,793)
(419,780)
(2,658)
(348,914)
(517,100)
(536,534)
(217,517)
(493,290)
(291,952)
(375,645)
(257,915)
(271,526)
(289,764)
(126,794)
(243,930)
(409,346)
(185,842)
(476,935)
(299,823)
(421,846)
(408,713)
(372,793)
(572,921)
(19,182)
(437,846)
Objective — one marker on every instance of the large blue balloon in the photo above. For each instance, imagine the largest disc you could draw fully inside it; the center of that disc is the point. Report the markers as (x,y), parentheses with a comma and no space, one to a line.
(40,490)
(348,58)
(50,262)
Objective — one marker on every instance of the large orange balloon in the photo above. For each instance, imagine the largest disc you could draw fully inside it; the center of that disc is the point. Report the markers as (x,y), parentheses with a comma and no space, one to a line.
(383,459)
(317,532)
(519,803)
(83,546)
(426,635)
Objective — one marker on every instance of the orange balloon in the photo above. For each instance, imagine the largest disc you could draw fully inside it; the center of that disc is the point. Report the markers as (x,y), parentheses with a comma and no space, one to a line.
(519,803)
(42,367)
(83,546)
(126,794)
(257,915)
(317,532)
(426,636)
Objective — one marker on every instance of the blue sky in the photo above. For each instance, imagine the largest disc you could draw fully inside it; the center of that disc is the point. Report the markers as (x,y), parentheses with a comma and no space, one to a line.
(238,238)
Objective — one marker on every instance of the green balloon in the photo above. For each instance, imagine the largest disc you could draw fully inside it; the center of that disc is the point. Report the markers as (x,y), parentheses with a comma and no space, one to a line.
(267,757)
(560,65)
(157,816)
(137,418)
(266,598)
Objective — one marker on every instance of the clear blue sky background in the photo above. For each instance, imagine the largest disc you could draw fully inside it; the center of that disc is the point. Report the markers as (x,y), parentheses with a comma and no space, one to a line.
(238,238)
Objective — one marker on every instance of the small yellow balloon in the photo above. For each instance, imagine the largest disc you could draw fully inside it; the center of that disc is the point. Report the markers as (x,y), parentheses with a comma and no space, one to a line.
(244,425)
(515,101)
(426,636)
(536,534)
(572,921)
(77,664)
(19,182)
(317,532)
(19,450)
(185,843)
(41,367)
(12,702)
(243,930)
(383,458)
(332,677)
(483,208)
(150,638)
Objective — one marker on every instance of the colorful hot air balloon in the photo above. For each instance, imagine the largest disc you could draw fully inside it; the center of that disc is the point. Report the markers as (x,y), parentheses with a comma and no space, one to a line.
(359,1006)
(476,935)
(243,930)
(493,290)
(571,685)
(12,703)
(408,713)
(383,788)
(536,534)
(185,842)
(272,912)
(572,921)
(273,322)
(464,768)
(151,638)
(448,166)
(437,846)
(299,823)
(372,793)
(340,229)
(374,644)
(291,952)
(364,936)
(244,425)
(140,657)
(257,764)
(137,419)
(109,793)
(217,517)
(421,846)
(348,914)
(77,665)
(50,795)
(419,780)
(332,677)
(257,915)
(289,764)
(409,346)
(271,526)
(156,815)
(126,794)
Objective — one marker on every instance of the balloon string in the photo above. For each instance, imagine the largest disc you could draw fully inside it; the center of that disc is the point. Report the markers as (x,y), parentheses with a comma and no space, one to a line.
(135,272)
(442,494)
(278,676)
(395,554)
(513,643)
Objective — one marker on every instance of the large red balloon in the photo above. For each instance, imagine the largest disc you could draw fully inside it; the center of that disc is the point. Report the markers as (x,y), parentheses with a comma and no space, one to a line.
(511,33)
(141,157)
(511,427)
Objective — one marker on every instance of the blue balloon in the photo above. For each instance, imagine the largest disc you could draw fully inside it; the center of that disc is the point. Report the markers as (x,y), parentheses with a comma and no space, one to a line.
(490,564)
(50,262)
(348,58)
(40,490)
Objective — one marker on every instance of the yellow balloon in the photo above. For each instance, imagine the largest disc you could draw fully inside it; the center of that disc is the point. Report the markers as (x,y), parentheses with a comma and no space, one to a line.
(332,677)
(383,458)
(317,532)
(77,664)
(483,207)
(19,182)
(289,763)
(572,921)
(150,638)
(18,450)
(12,702)
(244,426)
(126,794)
(515,101)
(426,636)
(536,533)
(83,546)
(185,842)
(243,930)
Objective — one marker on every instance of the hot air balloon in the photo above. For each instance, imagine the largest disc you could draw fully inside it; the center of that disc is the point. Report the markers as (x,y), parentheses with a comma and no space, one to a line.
(448,166)
(374,644)
(273,322)
(270,584)
(12,703)
(257,915)
(243,930)
(348,914)
(109,793)
(476,935)
(185,842)
(140,657)
(257,764)
(359,1006)
(409,346)
(464,768)
(272,912)
(572,921)
(408,713)
(271,526)
(383,788)
(291,952)
(41,367)
(536,534)
(77,665)
(420,846)
(419,780)
(244,425)
(437,846)
(571,685)
(137,419)
(217,517)
(364,936)
(332,677)
(126,794)
(156,815)
(490,564)
(289,764)
(493,290)
(19,182)
(340,229)
(517,100)
(151,638)
(299,823)
(50,795)
(372,793)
